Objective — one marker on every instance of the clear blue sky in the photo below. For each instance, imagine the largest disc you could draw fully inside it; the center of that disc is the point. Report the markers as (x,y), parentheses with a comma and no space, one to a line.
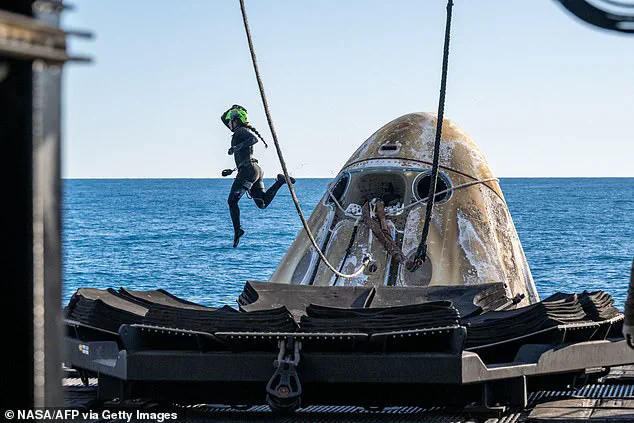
(541,93)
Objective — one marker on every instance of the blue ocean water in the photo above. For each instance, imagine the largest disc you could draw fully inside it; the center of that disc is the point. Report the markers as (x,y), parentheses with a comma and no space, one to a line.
(175,234)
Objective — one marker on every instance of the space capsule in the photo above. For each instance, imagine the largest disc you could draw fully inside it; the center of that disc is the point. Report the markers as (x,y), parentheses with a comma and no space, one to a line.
(376,205)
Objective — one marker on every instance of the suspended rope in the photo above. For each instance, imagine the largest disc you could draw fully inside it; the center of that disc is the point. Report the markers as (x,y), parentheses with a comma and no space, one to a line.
(421,251)
(366,260)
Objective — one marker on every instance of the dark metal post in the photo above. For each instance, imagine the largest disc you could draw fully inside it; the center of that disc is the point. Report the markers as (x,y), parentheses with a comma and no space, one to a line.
(32,52)
(16,142)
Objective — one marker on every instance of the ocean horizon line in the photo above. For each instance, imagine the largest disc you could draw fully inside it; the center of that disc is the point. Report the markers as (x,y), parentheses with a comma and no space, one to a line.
(314,177)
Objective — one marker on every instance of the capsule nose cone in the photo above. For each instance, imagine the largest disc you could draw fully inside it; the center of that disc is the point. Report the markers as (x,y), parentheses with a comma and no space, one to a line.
(412,137)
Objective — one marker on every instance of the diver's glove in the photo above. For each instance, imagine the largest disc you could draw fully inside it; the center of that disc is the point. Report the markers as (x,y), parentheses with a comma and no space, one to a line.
(230,152)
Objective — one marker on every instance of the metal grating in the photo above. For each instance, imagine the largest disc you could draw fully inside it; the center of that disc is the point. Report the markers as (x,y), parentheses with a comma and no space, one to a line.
(75,381)
(327,414)
(332,415)
(319,409)
(594,391)
(510,418)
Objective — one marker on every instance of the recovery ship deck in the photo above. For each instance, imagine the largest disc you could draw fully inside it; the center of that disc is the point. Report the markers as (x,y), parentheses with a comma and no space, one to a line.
(609,400)
(419,358)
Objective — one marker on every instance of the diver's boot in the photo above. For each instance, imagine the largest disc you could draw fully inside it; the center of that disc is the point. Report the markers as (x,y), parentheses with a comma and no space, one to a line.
(282,179)
(237,234)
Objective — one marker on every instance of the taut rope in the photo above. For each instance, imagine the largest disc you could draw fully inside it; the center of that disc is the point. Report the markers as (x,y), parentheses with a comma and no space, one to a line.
(366,260)
(421,251)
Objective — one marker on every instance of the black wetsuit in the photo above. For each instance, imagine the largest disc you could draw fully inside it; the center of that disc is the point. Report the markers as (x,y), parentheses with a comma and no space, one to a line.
(249,176)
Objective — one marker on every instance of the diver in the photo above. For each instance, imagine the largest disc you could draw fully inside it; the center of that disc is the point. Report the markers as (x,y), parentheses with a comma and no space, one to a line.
(249,177)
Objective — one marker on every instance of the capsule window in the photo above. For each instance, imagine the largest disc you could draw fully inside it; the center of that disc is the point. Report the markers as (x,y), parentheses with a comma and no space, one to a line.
(389,148)
(339,189)
(443,187)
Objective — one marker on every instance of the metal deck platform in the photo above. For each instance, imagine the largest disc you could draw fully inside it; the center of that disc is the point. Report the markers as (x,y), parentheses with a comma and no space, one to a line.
(131,366)
(610,400)
(105,358)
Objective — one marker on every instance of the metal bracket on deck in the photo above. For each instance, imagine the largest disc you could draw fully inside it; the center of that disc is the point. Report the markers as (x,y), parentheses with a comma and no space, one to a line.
(498,395)
(284,390)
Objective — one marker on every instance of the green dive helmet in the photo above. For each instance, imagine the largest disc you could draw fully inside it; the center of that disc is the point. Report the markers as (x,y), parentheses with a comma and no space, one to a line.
(235,112)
